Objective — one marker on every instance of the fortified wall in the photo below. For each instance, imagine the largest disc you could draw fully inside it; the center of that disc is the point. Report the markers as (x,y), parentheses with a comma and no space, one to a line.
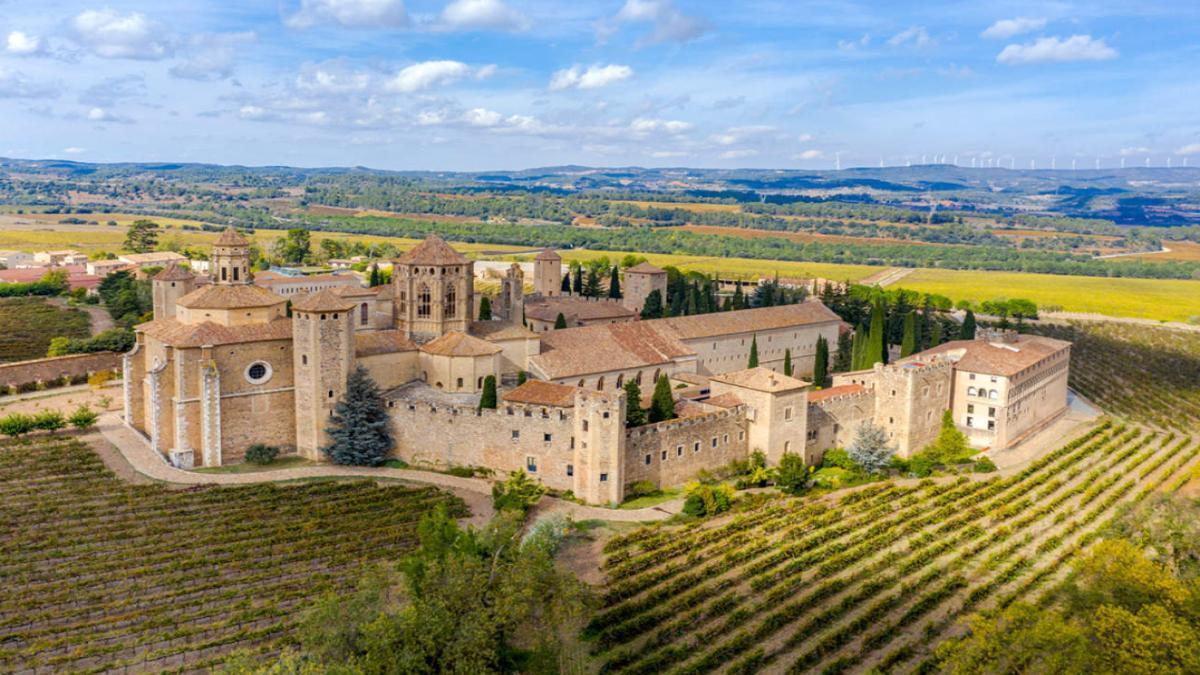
(673,452)
(75,368)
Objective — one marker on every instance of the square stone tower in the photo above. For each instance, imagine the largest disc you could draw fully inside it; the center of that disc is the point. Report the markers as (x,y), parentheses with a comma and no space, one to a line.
(547,274)
(434,291)
(640,281)
(323,354)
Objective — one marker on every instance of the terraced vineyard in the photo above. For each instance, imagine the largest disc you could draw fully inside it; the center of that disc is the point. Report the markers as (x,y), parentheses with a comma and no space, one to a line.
(878,577)
(102,575)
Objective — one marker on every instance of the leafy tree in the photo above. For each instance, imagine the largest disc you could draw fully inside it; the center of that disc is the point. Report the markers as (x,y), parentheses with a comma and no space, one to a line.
(653,308)
(707,500)
(635,416)
(522,378)
(295,247)
(843,357)
(662,403)
(359,430)
(591,287)
(967,331)
(753,352)
(791,475)
(908,344)
(1020,639)
(141,236)
(950,444)
(787,361)
(485,309)
(614,284)
(821,365)
(488,398)
(870,448)
(560,321)
(519,493)
(83,418)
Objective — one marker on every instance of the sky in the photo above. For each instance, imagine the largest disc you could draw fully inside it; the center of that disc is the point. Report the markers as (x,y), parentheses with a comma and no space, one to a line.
(509,84)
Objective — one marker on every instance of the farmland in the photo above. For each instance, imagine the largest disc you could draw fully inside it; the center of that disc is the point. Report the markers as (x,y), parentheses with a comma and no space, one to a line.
(875,579)
(101,575)
(30,323)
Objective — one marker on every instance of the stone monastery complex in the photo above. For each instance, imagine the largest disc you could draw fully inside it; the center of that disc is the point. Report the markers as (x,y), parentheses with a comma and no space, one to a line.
(222,366)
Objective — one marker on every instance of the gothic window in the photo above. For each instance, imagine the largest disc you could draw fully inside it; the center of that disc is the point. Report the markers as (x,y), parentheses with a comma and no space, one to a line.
(363,314)
(451,302)
(424,302)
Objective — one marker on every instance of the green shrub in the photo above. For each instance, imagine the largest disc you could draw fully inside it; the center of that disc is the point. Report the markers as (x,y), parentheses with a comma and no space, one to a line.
(840,459)
(519,493)
(641,488)
(261,453)
(83,418)
(49,420)
(707,500)
(759,477)
(984,465)
(921,465)
(16,424)
(791,475)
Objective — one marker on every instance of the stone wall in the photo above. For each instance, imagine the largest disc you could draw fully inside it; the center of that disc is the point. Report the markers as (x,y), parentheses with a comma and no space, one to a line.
(833,421)
(671,453)
(727,353)
(58,368)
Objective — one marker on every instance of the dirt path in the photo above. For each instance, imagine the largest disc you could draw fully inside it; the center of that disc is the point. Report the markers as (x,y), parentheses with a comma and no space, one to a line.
(101,319)
(887,277)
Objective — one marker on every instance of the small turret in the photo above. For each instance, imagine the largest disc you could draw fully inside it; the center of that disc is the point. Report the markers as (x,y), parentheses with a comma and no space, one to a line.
(547,274)
(172,283)
(231,259)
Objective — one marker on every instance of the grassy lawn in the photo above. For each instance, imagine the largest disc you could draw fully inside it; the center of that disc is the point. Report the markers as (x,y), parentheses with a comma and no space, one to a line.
(28,324)
(246,467)
(652,500)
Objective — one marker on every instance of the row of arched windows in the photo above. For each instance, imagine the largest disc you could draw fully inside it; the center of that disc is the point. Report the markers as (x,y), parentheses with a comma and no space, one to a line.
(620,381)
(425,302)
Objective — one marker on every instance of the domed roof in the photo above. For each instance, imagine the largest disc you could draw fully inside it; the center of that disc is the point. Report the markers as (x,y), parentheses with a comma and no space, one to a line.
(173,272)
(550,255)
(231,237)
(433,251)
(221,296)
(324,300)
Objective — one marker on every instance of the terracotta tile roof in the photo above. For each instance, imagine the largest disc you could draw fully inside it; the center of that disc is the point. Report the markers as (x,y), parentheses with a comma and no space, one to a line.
(999,358)
(369,343)
(748,320)
(645,268)
(173,272)
(726,400)
(549,254)
(222,296)
(154,257)
(540,392)
(457,343)
(269,278)
(760,379)
(324,300)
(500,330)
(571,352)
(231,237)
(576,309)
(433,251)
(840,390)
(685,408)
(691,378)
(177,334)
(357,291)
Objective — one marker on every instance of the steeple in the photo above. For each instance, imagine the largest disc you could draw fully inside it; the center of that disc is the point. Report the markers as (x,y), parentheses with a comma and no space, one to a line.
(231,259)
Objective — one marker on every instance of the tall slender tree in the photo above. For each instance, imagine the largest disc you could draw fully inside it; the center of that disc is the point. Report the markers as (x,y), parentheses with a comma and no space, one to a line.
(967,330)
(935,333)
(614,284)
(842,358)
(560,321)
(577,281)
(908,343)
(821,365)
(488,399)
(753,352)
(662,404)
(566,283)
(359,431)
(787,360)
(653,308)
(591,287)
(876,339)
(859,352)
(485,309)
(635,416)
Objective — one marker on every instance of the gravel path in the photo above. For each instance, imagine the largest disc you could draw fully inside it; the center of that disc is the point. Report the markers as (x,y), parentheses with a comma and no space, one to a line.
(136,451)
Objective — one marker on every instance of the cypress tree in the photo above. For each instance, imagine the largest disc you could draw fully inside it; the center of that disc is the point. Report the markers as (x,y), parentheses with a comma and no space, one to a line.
(614,284)
(753,352)
(653,308)
(727,305)
(935,333)
(739,297)
(634,415)
(842,358)
(821,366)
(359,433)
(967,331)
(693,300)
(566,283)
(560,321)
(487,399)
(908,344)
(522,378)
(662,404)
(859,351)
(485,309)
(876,339)
(375,278)
(577,281)
(787,359)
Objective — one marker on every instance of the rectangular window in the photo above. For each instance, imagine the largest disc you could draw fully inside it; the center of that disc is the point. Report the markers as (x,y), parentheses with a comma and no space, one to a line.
(991,412)
(991,425)
(725,439)
(971,407)
(585,425)
(531,464)
(570,469)
(546,437)
(971,376)
(714,441)
(516,433)
(741,435)
(970,421)
(679,451)
(664,455)
(696,446)
(648,458)
(787,413)
(605,415)
(603,478)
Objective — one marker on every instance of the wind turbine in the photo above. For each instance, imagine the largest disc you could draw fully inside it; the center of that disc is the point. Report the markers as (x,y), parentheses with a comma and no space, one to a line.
(881,162)
(837,161)
(1072,164)
(1032,164)
(1053,160)
(1122,162)
(1168,161)
(1147,162)
(1097,163)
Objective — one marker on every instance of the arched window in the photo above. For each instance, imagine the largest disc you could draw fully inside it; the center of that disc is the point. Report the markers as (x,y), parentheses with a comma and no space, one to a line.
(580,385)
(600,384)
(638,379)
(657,372)
(363,314)
(451,303)
(620,381)
(424,302)
(993,394)
(787,446)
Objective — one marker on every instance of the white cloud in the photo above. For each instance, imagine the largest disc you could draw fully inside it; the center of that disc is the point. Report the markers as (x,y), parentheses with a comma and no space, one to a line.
(916,35)
(74,150)
(1006,28)
(804,138)
(22,44)
(669,22)
(1189,149)
(738,154)
(851,45)
(593,77)
(15,84)
(427,74)
(110,35)
(331,78)
(810,154)
(210,56)
(482,14)
(482,117)
(734,135)
(350,13)
(98,114)
(429,118)
(1056,49)
(1137,150)
(664,154)
(252,112)
(645,125)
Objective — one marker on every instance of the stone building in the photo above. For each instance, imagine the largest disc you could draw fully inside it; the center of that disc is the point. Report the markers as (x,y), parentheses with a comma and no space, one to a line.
(542,313)
(640,281)
(547,274)
(223,366)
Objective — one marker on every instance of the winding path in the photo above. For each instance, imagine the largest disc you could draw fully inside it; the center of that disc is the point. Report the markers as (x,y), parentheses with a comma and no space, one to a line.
(477,492)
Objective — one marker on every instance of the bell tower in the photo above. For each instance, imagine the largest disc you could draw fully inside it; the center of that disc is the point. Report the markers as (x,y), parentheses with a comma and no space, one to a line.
(231,259)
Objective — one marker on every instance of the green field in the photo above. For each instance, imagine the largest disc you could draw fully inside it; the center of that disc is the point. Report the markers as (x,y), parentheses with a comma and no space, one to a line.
(28,324)
(1157,299)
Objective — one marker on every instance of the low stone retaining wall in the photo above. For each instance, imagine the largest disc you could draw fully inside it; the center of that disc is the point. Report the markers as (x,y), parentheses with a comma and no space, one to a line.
(55,371)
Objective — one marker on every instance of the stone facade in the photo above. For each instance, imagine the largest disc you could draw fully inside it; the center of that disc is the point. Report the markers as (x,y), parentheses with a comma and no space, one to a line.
(56,368)
(547,274)
(640,281)
(674,452)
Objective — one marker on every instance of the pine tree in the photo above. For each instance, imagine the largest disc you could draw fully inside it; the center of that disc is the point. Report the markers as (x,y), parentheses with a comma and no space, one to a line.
(487,399)
(753,352)
(614,285)
(560,321)
(653,308)
(870,449)
(566,283)
(662,404)
(359,431)
(485,309)
(635,416)
(787,359)
(876,339)
(967,331)
(727,305)
(908,344)
(821,366)
(845,352)
(591,287)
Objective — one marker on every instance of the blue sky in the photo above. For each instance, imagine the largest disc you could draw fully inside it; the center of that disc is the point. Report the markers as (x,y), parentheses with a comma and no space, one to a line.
(487,84)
